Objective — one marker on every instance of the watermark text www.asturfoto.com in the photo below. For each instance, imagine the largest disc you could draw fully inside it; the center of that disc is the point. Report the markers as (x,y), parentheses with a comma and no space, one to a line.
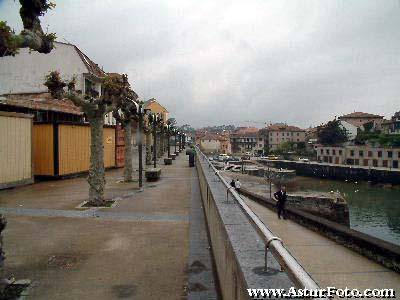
(329,292)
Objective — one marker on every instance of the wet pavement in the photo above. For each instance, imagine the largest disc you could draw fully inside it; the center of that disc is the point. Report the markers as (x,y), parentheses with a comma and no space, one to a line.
(138,249)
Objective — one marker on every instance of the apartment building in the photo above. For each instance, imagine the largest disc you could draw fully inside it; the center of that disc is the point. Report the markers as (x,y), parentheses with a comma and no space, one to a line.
(245,139)
(357,155)
(392,126)
(214,143)
(359,119)
(281,133)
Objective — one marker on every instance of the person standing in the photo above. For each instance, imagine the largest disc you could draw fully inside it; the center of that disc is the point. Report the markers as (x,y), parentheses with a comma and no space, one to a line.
(237,185)
(233,183)
(281,197)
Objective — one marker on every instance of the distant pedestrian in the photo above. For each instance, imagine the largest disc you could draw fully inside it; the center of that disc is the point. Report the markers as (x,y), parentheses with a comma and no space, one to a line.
(233,183)
(281,197)
(237,185)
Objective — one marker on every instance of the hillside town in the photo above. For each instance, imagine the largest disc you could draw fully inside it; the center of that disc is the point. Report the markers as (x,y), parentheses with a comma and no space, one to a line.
(368,140)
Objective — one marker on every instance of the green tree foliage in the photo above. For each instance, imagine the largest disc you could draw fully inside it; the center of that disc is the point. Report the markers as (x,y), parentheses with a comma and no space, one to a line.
(186,128)
(332,133)
(378,139)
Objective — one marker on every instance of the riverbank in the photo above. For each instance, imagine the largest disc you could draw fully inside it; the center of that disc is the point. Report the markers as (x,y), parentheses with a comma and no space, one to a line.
(342,172)
(328,205)
(373,210)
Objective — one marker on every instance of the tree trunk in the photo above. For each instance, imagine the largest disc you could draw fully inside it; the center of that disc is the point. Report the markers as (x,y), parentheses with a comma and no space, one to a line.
(148,148)
(128,169)
(140,148)
(159,146)
(96,179)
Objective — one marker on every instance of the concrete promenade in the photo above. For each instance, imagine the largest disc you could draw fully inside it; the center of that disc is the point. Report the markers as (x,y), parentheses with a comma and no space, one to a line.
(330,264)
(139,249)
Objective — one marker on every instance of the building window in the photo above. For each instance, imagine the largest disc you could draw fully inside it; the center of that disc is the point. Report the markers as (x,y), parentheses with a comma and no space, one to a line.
(384,163)
(327,151)
(361,153)
(333,152)
(340,152)
(356,162)
(298,134)
(369,153)
(375,162)
(396,164)
(351,152)
(322,151)
(390,154)
(379,153)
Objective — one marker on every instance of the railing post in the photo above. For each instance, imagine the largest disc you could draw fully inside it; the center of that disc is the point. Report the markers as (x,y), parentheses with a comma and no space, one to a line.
(227,193)
(274,238)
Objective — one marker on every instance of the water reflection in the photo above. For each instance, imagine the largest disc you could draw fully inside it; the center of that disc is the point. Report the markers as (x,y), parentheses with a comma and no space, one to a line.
(373,209)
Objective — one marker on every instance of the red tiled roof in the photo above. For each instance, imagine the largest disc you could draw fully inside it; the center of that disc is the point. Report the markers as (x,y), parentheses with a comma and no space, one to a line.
(283,127)
(358,114)
(212,136)
(42,101)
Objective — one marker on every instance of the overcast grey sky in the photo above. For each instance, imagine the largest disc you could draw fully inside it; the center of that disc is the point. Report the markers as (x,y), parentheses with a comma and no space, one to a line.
(224,62)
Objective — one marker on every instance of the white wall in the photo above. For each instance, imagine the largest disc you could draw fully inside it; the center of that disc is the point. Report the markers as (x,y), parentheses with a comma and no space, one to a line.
(210,145)
(25,73)
(350,128)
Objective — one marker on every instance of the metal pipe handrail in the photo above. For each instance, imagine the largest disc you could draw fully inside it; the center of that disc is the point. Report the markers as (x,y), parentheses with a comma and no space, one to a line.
(285,259)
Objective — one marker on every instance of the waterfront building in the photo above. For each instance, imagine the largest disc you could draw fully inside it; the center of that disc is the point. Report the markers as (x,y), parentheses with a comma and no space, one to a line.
(280,133)
(214,143)
(359,155)
(245,139)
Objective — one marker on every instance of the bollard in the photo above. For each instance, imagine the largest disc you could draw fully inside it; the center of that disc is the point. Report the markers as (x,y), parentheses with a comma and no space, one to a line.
(216,177)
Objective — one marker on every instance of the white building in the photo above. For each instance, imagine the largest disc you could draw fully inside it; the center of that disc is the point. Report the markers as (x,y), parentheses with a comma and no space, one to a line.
(359,155)
(351,129)
(25,73)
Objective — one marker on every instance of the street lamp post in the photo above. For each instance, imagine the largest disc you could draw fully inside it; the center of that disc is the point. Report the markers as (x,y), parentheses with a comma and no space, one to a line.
(154,122)
(140,111)
(140,146)
(168,136)
(176,139)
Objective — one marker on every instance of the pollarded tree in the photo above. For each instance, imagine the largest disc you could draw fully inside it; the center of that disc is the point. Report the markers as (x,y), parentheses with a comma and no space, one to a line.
(95,107)
(32,36)
(125,112)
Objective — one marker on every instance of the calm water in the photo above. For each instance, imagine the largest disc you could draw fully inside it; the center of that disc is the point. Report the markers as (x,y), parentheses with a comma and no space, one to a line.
(373,210)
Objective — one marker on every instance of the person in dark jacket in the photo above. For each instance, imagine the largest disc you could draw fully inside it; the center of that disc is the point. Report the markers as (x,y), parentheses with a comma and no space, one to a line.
(281,197)
(233,183)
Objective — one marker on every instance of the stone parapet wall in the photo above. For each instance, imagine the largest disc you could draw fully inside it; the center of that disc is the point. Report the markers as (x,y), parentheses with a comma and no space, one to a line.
(237,248)
(332,208)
